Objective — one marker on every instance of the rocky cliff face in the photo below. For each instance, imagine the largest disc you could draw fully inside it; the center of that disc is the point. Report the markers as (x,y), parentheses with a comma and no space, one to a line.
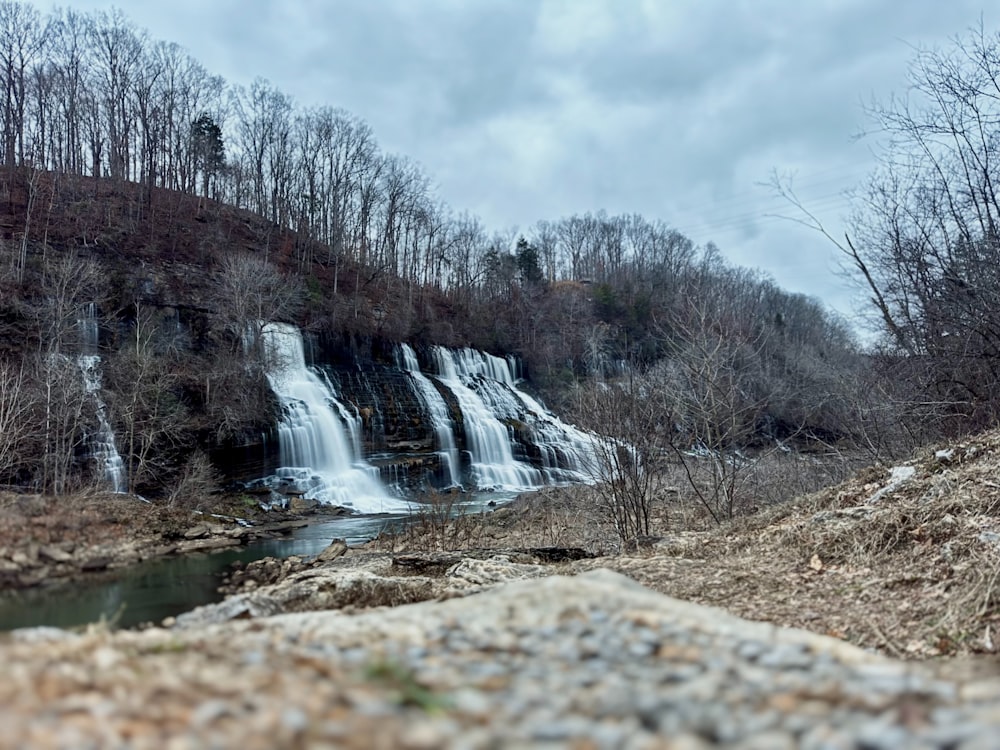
(440,420)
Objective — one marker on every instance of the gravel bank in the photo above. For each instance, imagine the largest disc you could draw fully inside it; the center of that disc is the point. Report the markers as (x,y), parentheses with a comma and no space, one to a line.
(594,661)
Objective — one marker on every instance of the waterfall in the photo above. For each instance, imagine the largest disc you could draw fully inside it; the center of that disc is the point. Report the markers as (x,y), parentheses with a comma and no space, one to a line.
(568,453)
(444,429)
(486,390)
(101,441)
(103,448)
(488,440)
(317,453)
(90,331)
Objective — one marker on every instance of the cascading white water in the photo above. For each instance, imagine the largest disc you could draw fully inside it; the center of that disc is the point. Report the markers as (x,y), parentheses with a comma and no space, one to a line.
(90,333)
(101,442)
(103,448)
(488,440)
(486,390)
(568,453)
(317,453)
(444,428)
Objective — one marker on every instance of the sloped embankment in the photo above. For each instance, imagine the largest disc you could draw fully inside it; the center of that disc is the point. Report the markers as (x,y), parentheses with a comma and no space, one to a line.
(902,559)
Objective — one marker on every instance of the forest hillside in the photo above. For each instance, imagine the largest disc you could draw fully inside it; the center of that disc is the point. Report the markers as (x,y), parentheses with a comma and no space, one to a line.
(155,216)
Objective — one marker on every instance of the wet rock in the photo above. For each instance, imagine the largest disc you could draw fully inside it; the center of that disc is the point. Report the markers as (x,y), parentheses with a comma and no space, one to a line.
(200,545)
(94,564)
(160,550)
(266,571)
(277,528)
(302,504)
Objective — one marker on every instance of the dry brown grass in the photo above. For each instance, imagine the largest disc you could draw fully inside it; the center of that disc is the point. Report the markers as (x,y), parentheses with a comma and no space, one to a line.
(437,522)
(911,569)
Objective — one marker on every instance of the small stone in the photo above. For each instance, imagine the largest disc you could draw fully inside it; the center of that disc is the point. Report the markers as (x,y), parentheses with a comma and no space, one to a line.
(197,531)
(209,712)
(786,656)
(980,691)
(54,554)
(294,719)
(472,702)
(883,736)
(688,742)
(105,658)
(20,559)
(984,740)
(826,738)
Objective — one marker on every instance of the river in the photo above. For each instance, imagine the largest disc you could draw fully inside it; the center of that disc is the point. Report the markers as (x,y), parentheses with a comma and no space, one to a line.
(165,587)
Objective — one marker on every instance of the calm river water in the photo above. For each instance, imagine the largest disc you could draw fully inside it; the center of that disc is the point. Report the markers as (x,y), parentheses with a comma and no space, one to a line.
(155,589)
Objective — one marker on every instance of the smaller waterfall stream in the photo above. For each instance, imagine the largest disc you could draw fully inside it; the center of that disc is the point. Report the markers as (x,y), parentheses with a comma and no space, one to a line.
(487,392)
(103,448)
(101,441)
(568,453)
(317,454)
(444,428)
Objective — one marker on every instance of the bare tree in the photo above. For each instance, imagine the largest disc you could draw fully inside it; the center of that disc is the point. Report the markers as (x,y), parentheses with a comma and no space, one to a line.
(924,236)
(264,125)
(719,407)
(70,282)
(60,399)
(151,420)
(118,49)
(61,416)
(16,427)
(631,454)
(254,294)
(68,60)
(22,39)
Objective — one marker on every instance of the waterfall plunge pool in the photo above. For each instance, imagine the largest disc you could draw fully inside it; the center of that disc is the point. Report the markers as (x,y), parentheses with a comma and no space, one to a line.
(152,590)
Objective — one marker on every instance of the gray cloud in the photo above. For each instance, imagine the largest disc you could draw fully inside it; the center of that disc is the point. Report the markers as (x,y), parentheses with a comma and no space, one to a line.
(528,109)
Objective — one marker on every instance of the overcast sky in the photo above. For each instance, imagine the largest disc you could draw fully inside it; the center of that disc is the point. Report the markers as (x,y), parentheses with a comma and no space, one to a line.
(521,110)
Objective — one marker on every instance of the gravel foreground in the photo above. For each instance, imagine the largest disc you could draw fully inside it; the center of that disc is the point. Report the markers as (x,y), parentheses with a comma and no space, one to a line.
(591,661)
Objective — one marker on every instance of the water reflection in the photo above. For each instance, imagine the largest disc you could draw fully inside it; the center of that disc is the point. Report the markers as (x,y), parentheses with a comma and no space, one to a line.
(153,590)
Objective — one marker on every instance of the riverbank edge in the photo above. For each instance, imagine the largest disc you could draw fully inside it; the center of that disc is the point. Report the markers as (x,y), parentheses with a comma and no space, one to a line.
(141,532)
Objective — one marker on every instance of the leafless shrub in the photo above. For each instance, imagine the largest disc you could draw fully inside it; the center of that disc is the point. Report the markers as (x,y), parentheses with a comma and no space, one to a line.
(16,405)
(196,480)
(437,521)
